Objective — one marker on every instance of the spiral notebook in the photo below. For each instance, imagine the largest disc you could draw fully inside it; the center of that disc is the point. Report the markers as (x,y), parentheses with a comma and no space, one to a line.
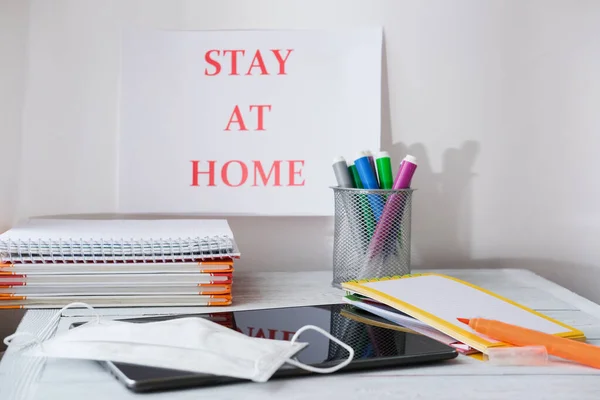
(438,300)
(104,241)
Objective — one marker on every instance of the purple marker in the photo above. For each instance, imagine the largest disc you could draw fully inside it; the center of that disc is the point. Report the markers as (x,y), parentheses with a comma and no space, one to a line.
(405,173)
(386,229)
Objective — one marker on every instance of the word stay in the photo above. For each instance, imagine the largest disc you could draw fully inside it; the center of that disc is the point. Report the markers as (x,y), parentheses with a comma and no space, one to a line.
(236,62)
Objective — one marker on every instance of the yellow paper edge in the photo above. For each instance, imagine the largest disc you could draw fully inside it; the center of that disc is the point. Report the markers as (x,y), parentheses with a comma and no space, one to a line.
(378,324)
(442,325)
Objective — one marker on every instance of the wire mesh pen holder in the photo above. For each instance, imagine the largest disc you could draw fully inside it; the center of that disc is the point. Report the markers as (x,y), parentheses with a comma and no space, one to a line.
(372,233)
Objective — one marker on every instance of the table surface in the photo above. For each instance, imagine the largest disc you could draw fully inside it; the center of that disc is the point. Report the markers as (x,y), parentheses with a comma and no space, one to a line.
(27,378)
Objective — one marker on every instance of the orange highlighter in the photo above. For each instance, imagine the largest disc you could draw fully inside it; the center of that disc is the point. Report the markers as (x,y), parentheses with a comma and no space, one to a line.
(568,349)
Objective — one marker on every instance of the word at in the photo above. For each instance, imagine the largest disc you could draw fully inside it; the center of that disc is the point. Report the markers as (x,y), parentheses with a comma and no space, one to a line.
(236,117)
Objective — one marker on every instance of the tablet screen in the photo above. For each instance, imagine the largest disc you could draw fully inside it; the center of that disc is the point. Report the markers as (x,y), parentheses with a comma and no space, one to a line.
(376,342)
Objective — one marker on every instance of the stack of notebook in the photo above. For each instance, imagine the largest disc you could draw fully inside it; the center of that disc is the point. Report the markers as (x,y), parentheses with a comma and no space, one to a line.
(48,263)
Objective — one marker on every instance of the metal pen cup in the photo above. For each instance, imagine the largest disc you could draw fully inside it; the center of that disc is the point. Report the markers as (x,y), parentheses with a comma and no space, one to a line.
(365,247)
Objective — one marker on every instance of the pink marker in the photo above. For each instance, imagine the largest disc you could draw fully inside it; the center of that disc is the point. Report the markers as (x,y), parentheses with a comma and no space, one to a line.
(386,230)
(405,173)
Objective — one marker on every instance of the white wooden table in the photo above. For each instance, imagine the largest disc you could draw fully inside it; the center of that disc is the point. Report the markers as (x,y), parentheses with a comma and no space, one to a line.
(26,378)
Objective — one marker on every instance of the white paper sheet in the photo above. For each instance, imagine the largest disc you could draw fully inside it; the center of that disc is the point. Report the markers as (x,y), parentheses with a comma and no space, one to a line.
(319,92)
(449,300)
(386,312)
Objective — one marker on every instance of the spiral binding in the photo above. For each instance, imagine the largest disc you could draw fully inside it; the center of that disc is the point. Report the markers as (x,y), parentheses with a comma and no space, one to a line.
(117,250)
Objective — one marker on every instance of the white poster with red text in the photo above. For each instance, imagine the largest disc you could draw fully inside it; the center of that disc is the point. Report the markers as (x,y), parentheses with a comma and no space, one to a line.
(244,122)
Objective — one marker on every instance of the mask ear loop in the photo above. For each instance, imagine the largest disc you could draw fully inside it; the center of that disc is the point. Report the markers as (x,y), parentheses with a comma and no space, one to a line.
(310,368)
(33,338)
(46,330)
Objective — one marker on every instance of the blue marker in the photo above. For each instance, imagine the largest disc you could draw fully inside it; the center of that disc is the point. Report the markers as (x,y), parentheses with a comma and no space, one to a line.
(365,171)
(373,165)
(369,181)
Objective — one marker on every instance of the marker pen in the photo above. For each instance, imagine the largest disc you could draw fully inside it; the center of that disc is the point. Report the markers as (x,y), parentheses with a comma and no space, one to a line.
(342,175)
(384,170)
(365,171)
(386,232)
(344,179)
(372,162)
(368,219)
(367,177)
(405,172)
(354,173)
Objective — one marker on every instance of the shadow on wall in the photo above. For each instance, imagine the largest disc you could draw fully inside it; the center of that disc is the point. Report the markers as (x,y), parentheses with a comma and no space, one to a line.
(442,220)
(442,217)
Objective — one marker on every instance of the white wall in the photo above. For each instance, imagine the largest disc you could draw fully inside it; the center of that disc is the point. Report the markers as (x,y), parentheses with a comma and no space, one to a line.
(13,65)
(497,99)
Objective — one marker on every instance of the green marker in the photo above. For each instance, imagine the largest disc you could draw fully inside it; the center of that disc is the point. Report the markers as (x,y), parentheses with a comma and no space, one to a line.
(369,219)
(354,173)
(384,170)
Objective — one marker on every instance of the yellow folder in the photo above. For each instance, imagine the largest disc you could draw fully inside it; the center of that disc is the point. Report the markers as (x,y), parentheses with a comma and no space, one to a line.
(439,300)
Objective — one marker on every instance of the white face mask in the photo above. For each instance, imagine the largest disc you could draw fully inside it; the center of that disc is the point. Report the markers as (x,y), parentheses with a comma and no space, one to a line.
(190,344)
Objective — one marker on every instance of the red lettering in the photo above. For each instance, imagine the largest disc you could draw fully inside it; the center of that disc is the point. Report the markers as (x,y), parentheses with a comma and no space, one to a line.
(250,330)
(260,334)
(293,172)
(287,335)
(238,119)
(234,54)
(275,169)
(272,333)
(261,64)
(211,58)
(225,173)
(260,107)
(281,60)
(212,62)
(239,175)
(210,172)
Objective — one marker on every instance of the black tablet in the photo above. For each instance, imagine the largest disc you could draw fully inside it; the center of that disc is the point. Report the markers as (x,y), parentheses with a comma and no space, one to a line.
(377,344)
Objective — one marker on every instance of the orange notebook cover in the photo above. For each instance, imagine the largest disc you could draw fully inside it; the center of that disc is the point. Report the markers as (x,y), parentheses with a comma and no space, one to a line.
(134,290)
(225,265)
(117,301)
(116,279)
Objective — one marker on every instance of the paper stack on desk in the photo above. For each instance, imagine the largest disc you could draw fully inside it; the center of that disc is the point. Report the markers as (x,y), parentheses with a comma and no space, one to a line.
(48,263)
(436,301)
